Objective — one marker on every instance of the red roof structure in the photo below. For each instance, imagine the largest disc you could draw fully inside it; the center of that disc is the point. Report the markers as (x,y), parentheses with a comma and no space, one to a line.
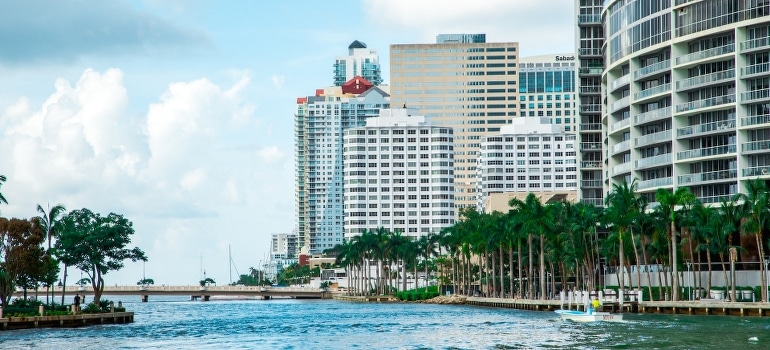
(356,86)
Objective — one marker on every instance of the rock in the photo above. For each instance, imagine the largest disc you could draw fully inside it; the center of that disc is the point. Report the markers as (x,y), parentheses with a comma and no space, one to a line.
(451,299)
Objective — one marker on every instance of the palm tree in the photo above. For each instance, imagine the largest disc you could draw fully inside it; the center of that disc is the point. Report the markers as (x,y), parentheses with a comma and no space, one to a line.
(48,221)
(537,218)
(668,202)
(622,211)
(756,204)
(2,199)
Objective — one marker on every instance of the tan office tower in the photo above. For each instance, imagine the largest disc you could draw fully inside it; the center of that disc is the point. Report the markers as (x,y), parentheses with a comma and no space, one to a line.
(462,82)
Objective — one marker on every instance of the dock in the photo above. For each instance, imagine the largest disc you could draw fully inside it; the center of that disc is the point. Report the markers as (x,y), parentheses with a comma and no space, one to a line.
(65,321)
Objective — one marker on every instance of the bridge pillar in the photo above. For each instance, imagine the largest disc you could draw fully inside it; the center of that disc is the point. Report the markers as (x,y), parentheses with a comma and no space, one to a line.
(205,297)
(265,297)
(145,298)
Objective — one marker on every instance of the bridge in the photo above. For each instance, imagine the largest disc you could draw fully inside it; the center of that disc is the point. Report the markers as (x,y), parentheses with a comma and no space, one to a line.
(197,292)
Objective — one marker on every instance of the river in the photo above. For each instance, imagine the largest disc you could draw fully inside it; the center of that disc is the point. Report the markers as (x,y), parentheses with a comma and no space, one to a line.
(176,323)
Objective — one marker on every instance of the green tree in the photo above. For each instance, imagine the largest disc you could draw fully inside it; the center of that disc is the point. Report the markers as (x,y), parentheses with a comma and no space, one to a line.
(2,199)
(622,211)
(669,201)
(537,219)
(756,214)
(96,245)
(23,258)
(48,220)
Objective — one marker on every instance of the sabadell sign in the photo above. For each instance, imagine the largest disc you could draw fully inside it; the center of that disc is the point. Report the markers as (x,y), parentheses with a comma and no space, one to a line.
(565,58)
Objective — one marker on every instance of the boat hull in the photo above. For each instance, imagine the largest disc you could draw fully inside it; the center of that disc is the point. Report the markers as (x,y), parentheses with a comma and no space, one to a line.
(580,316)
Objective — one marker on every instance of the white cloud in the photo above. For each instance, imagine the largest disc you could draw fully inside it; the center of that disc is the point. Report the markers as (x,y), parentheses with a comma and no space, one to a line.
(538,25)
(187,171)
(278,80)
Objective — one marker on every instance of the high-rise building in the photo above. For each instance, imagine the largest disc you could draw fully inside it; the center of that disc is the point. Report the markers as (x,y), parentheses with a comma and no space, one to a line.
(531,155)
(547,89)
(461,82)
(320,123)
(687,89)
(399,175)
(360,61)
(283,246)
(590,39)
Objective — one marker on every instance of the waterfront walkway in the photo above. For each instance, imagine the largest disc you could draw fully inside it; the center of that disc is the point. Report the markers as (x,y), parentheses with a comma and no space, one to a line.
(198,292)
(79,320)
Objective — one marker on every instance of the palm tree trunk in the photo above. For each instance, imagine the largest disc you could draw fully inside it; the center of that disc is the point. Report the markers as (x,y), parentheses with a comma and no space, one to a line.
(621,267)
(530,286)
(762,272)
(501,294)
(674,260)
(724,270)
(646,268)
(510,270)
(636,255)
(542,266)
(519,290)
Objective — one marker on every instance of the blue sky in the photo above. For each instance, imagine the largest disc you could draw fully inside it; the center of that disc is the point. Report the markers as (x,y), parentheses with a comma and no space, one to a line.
(179,114)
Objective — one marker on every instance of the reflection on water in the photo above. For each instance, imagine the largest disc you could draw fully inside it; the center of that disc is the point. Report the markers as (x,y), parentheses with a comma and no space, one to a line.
(174,323)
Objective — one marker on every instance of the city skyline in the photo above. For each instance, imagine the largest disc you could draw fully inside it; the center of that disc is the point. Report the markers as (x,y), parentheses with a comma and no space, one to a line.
(170,112)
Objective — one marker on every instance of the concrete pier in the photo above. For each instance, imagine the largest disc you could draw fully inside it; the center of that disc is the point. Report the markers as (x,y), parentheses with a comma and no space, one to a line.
(65,321)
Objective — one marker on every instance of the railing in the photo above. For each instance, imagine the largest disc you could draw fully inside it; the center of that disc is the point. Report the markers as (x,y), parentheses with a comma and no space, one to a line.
(624,80)
(621,103)
(594,51)
(698,55)
(715,199)
(621,147)
(755,95)
(762,145)
(590,164)
(652,91)
(755,120)
(706,102)
(706,127)
(591,108)
(593,201)
(653,138)
(755,43)
(706,152)
(590,127)
(653,161)
(755,69)
(591,183)
(590,89)
(620,124)
(621,169)
(708,176)
(652,69)
(705,79)
(656,114)
(591,70)
(584,146)
(756,171)
(663,181)
(589,19)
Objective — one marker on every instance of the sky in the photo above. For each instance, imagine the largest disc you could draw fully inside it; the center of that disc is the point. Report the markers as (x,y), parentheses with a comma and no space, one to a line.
(178,114)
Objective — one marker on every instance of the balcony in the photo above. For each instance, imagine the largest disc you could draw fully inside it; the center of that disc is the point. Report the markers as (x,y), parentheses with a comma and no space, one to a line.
(654,161)
(708,176)
(755,120)
(692,130)
(704,103)
(622,81)
(653,115)
(754,70)
(715,199)
(700,80)
(652,183)
(621,147)
(591,127)
(591,70)
(706,152)
(756,171)
(755,44)
(590,51)
(624,123)
(590,146)
(589,19)
(654,68)
(652,91)
(754,146)
(593,108)
(620,104)
(591,184)
(755,96)
(598,202)
(591,165)
(662,136)
(621,169)
(699,55)
(590,89)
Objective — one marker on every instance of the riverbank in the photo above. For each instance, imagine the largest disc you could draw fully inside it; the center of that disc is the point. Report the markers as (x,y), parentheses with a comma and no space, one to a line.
(65,321)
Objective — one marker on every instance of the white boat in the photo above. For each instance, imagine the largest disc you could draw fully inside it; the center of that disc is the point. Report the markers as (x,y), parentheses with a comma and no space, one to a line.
(582,316)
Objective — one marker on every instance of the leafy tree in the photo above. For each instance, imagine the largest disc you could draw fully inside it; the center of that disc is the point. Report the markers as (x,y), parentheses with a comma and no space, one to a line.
(756,205)
(145,282)
(207,282)
(668,202)
(96,244)
(22,254)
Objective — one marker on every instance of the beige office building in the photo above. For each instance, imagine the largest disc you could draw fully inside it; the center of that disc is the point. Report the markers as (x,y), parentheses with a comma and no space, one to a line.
(462,82)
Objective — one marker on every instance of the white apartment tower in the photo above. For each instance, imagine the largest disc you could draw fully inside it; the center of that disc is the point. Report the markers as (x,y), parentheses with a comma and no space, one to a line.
(462,82)
(399,174)
(320,123)
(283,246)
(687,90)
(360,61)
(531,155)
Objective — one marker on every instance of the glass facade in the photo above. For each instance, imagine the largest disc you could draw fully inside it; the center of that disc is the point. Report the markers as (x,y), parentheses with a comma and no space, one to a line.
(541,82)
